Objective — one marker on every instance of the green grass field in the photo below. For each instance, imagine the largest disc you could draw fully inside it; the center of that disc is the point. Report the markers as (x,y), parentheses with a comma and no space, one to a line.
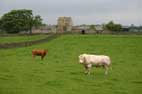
(60,72)
(12,39)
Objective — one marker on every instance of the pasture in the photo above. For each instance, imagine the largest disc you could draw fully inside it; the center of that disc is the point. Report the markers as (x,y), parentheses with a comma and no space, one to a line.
(60,72)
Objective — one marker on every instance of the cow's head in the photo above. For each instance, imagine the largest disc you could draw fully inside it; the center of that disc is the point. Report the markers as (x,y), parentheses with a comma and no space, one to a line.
(82,58)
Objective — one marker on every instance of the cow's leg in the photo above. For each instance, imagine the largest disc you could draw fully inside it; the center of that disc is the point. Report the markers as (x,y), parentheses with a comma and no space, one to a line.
(86,69)
(106,69)
(89,68)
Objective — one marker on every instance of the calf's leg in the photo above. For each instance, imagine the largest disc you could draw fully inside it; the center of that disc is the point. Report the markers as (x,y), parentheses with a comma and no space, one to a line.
(33,56)
(42,57)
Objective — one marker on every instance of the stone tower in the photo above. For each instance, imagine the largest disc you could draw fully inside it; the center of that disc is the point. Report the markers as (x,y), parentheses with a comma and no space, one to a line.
(64,24)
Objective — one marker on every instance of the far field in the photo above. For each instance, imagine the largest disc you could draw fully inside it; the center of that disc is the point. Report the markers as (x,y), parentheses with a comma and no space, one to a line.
(60,72)
(13,39)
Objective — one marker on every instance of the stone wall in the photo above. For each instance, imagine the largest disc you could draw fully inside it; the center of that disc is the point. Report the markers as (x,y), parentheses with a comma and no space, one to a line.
(25,44)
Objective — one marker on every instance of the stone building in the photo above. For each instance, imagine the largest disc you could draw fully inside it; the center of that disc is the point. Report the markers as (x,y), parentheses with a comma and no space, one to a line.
(64,24)
(44,29)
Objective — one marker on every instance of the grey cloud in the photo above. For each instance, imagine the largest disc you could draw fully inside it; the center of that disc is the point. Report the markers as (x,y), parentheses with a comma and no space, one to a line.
(82,11)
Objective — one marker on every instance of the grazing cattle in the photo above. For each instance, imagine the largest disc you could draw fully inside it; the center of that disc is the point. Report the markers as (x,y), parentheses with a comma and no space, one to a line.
(39,52)
(94,60)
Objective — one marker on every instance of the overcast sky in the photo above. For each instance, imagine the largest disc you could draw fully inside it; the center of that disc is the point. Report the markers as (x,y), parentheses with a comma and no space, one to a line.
(125,12)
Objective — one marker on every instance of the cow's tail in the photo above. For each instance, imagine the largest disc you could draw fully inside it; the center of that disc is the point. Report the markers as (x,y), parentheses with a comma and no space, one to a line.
(110,65)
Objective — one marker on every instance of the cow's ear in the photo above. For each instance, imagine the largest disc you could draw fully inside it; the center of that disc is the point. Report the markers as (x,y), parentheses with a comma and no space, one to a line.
(80,56)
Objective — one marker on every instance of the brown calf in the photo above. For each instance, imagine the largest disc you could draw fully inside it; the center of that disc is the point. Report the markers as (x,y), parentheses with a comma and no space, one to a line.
(39,52)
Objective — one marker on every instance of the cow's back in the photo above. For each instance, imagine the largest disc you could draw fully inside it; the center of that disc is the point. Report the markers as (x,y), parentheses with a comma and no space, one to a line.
(98,59)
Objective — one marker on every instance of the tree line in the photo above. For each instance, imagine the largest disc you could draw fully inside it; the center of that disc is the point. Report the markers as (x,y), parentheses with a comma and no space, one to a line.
(111,26)
(16,21)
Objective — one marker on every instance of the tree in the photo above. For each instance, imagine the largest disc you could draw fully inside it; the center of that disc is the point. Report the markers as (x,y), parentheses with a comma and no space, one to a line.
(110,25)
(0,24)
(37,21)
(92,27)
(19,20)
(113,27)
(118,27)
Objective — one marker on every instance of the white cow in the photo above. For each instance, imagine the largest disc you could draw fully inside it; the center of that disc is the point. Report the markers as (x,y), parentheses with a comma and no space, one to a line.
(89,60)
